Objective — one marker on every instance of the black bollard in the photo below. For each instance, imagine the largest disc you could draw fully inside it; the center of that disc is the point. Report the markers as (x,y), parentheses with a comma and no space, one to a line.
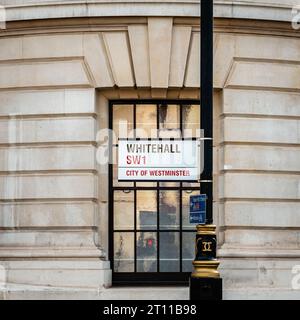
(205,281)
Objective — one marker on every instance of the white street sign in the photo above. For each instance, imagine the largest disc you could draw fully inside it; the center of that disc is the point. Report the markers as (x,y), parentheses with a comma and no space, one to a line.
(159,160)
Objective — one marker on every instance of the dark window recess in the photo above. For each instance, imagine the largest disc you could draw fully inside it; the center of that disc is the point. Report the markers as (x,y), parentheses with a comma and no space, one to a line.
(151,239)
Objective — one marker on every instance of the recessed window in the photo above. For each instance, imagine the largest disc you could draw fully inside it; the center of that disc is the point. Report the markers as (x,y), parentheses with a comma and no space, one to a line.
(151,237)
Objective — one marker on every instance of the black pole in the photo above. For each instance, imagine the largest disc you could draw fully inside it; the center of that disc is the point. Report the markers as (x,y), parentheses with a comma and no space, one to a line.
(206,78)
(207,64)
(205,281)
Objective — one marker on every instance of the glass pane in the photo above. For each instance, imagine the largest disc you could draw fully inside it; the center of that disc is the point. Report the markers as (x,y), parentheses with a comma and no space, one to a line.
(191,121)
(169,116)
(169,184)
(186,225)
(169,260)
(191,184)
(146,250)
(117,183)
(169,209)
(169,121)
(146,209)
(188,251)
(146,121)
(123,210)
(122,120)
(123,252)
(146,184)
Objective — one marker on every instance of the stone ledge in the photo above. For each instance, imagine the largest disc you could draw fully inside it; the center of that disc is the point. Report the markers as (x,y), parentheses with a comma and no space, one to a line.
(21,292)
(51,253)
(58,275)
(228,253)
(261,294)
(223,9)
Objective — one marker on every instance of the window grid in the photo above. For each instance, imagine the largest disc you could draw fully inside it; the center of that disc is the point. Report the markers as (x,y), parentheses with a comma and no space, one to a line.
(173,277)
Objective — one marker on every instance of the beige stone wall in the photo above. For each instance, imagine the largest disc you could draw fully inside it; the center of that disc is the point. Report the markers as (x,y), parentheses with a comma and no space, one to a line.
(259,162)
(54,91)
(55,83)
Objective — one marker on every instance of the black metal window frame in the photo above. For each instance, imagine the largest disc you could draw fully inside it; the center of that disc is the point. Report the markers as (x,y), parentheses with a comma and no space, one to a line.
(205,186)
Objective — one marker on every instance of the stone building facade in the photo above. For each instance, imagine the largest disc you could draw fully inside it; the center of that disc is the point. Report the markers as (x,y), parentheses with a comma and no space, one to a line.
(61,62)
